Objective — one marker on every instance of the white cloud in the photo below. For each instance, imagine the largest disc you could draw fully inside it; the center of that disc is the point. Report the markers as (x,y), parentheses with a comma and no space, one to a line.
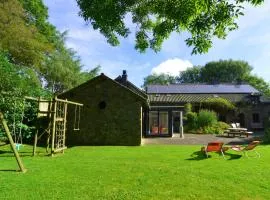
(172,66)
(85,34)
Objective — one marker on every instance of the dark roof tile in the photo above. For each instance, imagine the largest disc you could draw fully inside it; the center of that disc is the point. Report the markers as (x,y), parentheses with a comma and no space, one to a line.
(200,89)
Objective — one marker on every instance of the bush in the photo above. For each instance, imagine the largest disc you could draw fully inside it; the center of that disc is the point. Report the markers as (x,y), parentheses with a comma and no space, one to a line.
(206,118)
(267,136)
(219,105)
(217,128)
(192,119)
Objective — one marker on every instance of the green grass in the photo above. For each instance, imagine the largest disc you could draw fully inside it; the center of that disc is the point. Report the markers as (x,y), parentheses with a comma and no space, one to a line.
(147,172)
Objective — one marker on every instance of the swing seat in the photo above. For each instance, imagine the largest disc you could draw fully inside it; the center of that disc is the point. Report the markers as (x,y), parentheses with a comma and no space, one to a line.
(18,145)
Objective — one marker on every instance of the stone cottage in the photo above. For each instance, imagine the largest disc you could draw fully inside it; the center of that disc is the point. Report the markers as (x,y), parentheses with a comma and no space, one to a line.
(112,113)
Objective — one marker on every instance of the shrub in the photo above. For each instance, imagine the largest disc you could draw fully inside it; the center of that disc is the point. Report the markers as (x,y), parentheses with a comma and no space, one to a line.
(206,118)
(217,128)
(219,105)
(267,136)
(188,107)
(192,119)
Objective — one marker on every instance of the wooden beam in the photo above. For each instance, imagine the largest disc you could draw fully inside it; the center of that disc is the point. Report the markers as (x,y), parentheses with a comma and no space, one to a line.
(12,145)
(69,102)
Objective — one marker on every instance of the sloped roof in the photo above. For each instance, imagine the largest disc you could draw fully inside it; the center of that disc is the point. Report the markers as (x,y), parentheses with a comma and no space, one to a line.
(103,77)
(131,86)
(193,98)
(201,89)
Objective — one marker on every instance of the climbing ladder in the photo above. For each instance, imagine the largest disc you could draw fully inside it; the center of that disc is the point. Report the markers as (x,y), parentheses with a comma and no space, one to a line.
(59,126)
(56,113)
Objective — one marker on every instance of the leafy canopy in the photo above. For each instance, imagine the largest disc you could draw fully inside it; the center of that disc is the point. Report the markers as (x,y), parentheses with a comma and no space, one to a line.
(156,19)
(224,71)
(158,79)
(219,105)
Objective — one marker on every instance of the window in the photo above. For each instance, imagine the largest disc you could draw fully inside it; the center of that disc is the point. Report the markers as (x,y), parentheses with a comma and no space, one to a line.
(158,122)
(153,122)
(102,105)
(256,118)
(163,122)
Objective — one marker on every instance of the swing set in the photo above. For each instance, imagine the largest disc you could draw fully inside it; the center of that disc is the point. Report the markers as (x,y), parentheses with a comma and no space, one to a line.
(55,114)
(18,134)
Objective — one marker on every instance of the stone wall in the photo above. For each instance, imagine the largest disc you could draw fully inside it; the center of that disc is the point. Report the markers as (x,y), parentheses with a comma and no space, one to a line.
(111,114)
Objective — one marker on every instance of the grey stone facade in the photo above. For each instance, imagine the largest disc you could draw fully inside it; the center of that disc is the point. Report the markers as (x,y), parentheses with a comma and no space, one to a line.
(111,115)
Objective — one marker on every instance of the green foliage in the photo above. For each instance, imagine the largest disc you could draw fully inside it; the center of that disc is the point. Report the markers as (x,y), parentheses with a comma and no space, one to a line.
(259,84)
(192,120)
(222,71)
(26,45)
(206,118)
(158,79)
(157,19)
(267,136)
(190,75)
(37,15)
(216,128)
(188,107)
(225,71)
(219,105)
(15,83)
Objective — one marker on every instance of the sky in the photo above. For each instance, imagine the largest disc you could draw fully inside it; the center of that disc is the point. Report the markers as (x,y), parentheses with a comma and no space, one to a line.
(251,43)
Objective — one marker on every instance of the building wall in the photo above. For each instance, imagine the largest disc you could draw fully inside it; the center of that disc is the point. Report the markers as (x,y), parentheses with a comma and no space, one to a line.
(262,109)
(119,123)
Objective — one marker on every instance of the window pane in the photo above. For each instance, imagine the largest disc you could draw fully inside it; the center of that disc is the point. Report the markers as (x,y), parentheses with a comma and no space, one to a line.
(163,122)
(153,122)
(256,118)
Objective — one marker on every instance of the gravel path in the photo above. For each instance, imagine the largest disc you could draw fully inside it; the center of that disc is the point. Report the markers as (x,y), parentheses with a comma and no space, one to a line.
(199,139)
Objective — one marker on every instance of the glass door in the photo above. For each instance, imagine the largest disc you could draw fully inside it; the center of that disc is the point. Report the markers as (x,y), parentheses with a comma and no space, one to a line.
(158,122)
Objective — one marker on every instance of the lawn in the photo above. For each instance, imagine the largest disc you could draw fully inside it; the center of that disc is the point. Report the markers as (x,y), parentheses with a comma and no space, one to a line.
(147,172)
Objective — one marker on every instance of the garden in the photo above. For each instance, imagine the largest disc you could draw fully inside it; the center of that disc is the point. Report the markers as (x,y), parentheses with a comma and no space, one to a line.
(146,172)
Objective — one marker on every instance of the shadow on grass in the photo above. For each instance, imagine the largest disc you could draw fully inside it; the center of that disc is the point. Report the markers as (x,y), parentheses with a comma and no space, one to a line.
(8,153)
(199,155)
(9,170)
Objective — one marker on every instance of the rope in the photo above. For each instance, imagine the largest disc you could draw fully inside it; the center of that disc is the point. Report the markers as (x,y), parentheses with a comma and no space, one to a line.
(14,122)
(77,118)
(22,116)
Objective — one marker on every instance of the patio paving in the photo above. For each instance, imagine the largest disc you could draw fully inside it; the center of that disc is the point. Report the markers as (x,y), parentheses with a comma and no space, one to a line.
(200,139)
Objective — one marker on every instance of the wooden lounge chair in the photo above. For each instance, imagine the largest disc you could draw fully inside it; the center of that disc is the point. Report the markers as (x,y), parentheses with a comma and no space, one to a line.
(249,147)
(214,147)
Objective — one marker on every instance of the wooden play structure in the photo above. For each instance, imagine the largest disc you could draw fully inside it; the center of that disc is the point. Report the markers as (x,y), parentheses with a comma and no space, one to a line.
(54,114)
(12,144)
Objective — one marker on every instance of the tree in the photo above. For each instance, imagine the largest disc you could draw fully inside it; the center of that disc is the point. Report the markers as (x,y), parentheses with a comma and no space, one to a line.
(224,71)
(22,40)
(191,75)
(259,84)
(159,79)
(219,105)
(87,75)
(157,19)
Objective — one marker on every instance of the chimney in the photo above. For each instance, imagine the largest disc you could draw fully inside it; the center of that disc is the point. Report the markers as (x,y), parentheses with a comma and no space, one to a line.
(124,76)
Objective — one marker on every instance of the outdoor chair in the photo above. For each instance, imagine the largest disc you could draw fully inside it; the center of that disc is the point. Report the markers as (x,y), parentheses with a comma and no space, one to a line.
(233,125)
(214,147)
(249,147)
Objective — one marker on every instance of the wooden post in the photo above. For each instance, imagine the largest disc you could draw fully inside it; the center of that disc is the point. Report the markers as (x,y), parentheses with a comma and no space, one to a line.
(36,134)
(12,145)
(35,143)
(181,125)
(53,124)
(65,123)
